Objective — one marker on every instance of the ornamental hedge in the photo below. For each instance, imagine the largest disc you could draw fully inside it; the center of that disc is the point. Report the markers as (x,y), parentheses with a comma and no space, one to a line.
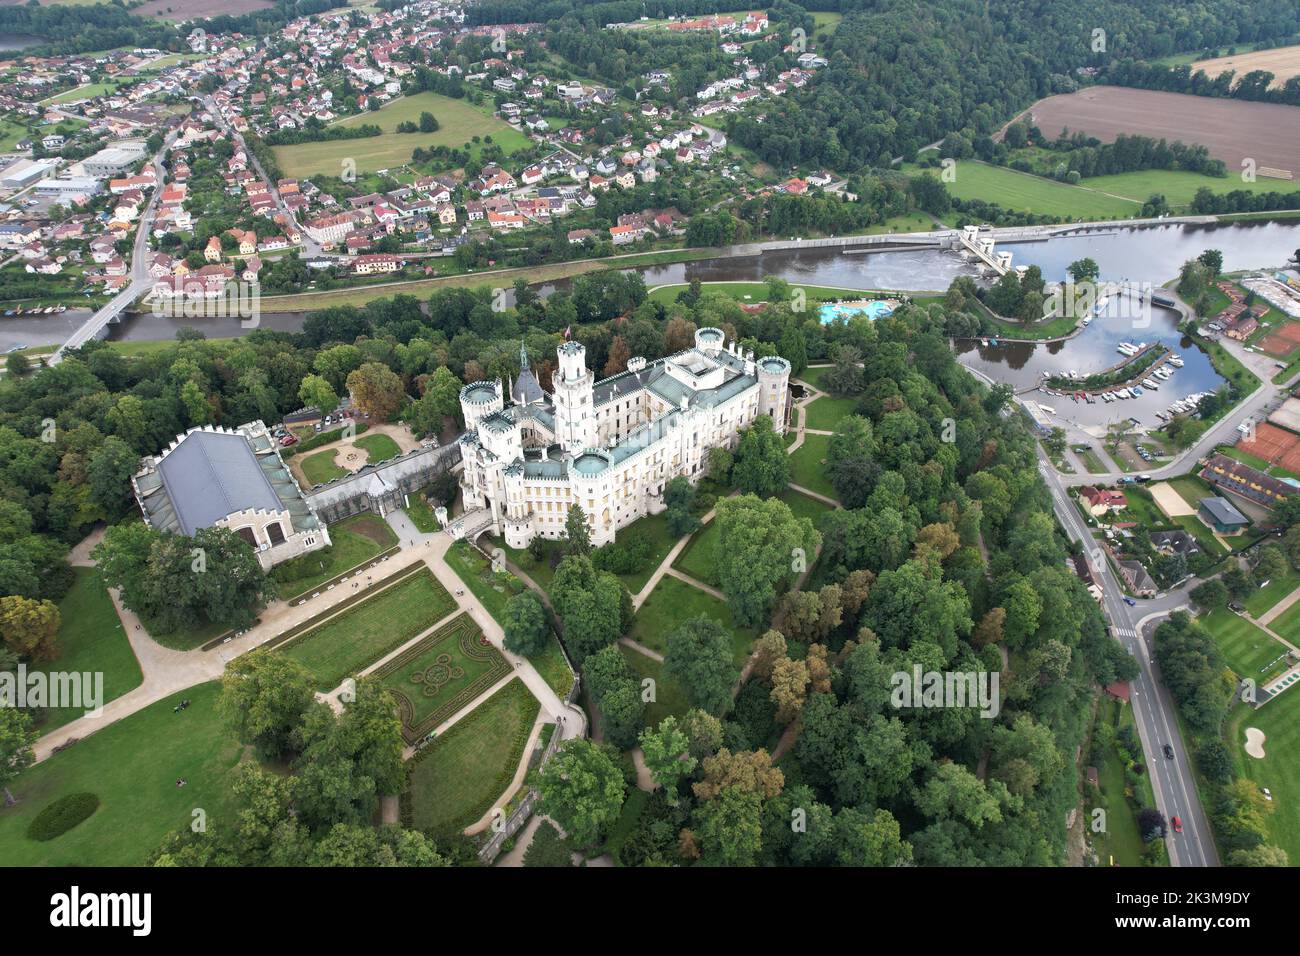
(62,815)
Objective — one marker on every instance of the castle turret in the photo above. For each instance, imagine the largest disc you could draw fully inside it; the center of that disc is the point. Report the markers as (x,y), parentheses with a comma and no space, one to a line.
(710,340)
(773,386)
(479,400)
(572,387)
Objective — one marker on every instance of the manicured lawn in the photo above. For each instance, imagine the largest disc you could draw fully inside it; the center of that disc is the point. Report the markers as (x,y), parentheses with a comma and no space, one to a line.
(669,700)
(1288,623)
(378,447)
(1247,649)
(90,641)
(459,122)
(365,632)
(825,413)
(652,528)
(461,774)
(807,465)
(355,541)
(1279,770)
(804,506)
(440,674)
(320,468)
(1276,589)
(133,766)
(814,376)
(422,515)
(493,590)
(674,602)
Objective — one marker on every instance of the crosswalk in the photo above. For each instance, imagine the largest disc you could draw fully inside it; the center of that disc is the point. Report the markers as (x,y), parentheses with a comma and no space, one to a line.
(1124,632)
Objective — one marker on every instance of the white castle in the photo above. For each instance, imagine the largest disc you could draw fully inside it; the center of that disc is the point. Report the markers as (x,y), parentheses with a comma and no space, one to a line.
(609,446)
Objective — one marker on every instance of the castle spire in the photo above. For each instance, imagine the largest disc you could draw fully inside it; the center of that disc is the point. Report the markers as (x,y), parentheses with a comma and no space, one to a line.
(523,357)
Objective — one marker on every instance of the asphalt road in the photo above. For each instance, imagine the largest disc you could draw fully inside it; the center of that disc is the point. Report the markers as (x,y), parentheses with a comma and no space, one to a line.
(1153,709)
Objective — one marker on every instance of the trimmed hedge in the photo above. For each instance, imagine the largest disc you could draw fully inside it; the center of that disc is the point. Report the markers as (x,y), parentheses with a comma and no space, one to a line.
(62,815)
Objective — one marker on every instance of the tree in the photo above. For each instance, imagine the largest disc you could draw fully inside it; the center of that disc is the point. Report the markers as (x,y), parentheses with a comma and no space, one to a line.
(524,622)
(679,499)
(617,693)
(699,658)
(427,122)
(376,390)
(789,688)
(851,465)
(761,546)
(353,845)
(30,626)
(577,535)
(703,731)
(762,466)
(730,828)
(1083,270)
(1210,595)
(1212,259)
(264,697)
(582,789)
(16,739)
(315,392)
(666,750)
(548,848)
(109,473)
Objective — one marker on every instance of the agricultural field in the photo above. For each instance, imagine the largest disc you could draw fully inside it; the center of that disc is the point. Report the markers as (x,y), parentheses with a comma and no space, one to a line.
(1282,62)
(191,9)
(459,122)
(457,778)
(1178,187)
(1232,130)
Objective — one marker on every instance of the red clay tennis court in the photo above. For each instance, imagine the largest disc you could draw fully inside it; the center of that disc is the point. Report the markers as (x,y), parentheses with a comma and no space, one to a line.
(1283,340)
(1275,445)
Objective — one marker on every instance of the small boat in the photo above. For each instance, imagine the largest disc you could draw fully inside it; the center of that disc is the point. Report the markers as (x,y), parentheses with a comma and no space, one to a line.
(1047,408)
(1123,393)
(1137,390)
(1085,320)
(1148,383)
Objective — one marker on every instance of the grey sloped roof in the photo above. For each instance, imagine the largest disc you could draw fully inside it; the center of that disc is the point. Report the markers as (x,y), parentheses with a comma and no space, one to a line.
(527,389)
(210,475)
(1223,511)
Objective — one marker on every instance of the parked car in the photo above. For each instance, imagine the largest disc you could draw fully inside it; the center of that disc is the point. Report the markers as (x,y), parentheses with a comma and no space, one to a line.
(317,426)
(1177,823)
(288,440)
(1169,752)
(1235,608)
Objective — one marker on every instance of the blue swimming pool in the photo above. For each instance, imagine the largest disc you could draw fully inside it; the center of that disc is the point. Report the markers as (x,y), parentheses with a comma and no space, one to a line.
(873,309)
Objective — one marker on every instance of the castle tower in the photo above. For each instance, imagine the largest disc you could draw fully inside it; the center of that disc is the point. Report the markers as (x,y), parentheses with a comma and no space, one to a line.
(572,387)
(479,400)
(773,386)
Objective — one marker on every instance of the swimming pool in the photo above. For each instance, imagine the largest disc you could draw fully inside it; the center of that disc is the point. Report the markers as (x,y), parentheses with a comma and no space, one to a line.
(872,308)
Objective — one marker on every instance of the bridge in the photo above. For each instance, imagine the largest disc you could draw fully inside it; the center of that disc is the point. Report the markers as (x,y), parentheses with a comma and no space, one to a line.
(980,244)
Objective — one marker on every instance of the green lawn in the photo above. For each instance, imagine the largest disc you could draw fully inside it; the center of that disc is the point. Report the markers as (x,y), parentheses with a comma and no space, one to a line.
(1279,770)
(1278,588)
(653,528)
(493,590)
(133,765)
(1247,649)
(814,376)
(90,641)
(320,468)
(378,448)
(807,465)
(1026,192)
(355,541)
(674,602)
(669,699)
(1122,839)
(365,632)
(1288,624)
(1179,186)
(459,122)
(440,674)
(825,413)
(421,515)
(458,777)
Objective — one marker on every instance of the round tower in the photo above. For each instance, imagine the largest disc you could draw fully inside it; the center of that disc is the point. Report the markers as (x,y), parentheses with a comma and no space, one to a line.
(710,340)
(479,400)
(773,386)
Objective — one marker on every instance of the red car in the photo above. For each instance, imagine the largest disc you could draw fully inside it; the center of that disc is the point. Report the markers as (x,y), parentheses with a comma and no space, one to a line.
(1177,824)
(288,440)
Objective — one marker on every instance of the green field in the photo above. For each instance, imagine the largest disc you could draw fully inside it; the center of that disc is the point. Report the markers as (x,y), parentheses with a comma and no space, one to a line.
(90,640)
(365,632)
(1026,192)
(133,765)
(459,122)
(355,541)
(320,468)
(1122,839)
(88,91)
(1279,770)
(1287,624)
(1264,598)
(807,465)
(1177,186)
(378,448)
(824,413)
(751,292)
(440,674)
(457,778)
(1247,649)
(674,602)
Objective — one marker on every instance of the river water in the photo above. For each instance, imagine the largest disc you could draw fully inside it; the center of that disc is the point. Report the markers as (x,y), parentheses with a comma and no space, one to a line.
(1148,254)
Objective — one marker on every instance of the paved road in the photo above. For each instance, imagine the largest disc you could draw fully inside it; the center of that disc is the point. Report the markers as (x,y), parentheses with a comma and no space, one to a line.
(1153,710)
(141,282)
